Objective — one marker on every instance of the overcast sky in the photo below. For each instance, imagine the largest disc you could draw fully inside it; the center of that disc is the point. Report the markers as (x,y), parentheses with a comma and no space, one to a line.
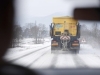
(26,9)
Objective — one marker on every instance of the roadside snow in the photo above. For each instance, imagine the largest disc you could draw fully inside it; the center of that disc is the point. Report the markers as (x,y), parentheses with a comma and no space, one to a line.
(27,46)
(88,49)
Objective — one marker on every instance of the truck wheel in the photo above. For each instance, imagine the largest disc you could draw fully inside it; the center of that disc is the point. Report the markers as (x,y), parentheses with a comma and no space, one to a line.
(52,48)
(76,51)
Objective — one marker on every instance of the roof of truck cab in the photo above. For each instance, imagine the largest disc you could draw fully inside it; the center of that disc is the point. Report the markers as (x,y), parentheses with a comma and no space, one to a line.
(63,17)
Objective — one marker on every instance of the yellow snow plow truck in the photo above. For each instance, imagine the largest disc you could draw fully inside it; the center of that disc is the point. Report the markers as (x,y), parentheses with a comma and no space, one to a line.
(61,25)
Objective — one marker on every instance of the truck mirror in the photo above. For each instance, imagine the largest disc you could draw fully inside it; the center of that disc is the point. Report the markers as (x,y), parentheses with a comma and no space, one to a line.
(87,14)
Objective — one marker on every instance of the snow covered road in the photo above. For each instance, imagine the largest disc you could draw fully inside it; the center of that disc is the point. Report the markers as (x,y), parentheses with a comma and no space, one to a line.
(88,57)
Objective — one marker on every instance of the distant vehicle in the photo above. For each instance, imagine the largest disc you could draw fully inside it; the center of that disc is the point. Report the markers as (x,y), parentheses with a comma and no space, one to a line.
(61,25)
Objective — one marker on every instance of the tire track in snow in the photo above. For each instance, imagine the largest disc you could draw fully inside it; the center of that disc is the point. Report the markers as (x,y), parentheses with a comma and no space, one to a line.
(37,59)
(79,62)
(27,54)
(54,61)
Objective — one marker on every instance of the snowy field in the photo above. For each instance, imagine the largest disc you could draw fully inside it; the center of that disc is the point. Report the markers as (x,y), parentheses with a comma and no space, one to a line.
(39,56)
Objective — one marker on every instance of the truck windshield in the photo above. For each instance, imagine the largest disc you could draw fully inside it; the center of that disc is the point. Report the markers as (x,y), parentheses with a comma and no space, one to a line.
(58,25)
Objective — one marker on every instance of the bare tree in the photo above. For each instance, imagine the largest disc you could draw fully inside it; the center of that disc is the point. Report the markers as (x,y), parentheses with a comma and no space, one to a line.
(92,35)
(42,32)
(17,35)
(34,31)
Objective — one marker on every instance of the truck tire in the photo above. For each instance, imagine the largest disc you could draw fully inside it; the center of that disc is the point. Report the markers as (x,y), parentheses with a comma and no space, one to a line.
(76,51)
(52,48)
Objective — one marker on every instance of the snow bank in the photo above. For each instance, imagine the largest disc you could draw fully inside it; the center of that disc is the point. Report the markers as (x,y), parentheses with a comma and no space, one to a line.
(27,46)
